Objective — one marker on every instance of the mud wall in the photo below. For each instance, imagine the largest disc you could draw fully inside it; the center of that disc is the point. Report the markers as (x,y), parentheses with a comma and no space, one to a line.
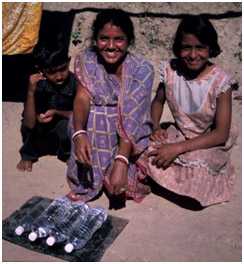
(155,26)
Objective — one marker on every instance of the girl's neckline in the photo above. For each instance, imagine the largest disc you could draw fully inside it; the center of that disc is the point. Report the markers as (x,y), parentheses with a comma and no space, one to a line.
(176,65)
(205,74)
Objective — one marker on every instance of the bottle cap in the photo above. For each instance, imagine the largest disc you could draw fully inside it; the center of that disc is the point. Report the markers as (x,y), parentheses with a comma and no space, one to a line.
(19,230)
(68,248)
(50,241)
(42,232)
(32,236)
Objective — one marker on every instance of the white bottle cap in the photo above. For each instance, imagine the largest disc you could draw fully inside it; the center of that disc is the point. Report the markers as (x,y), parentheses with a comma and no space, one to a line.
(68,248)
(50,241)
(42,231)
(32,236)
(19,230)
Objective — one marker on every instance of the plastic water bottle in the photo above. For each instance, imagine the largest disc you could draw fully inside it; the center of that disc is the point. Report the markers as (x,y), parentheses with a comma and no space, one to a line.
(62,229)
(82,232)
(27,220)
(55,212)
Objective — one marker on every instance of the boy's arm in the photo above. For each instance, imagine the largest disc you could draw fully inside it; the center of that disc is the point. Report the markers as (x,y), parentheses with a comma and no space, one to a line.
(30,107)
(157,106)
(62,113)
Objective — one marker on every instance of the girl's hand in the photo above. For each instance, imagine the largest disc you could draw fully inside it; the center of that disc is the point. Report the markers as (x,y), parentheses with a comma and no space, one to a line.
(83,149)
(33,80)
(164,154)
(119,177)
(159,135)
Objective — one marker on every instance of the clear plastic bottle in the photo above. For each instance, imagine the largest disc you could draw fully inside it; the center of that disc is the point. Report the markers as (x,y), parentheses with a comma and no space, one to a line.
(62,229)
(53,214)
(26,221)
(82,233)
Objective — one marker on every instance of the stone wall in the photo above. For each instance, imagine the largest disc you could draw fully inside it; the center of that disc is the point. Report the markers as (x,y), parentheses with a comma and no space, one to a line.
(154,34)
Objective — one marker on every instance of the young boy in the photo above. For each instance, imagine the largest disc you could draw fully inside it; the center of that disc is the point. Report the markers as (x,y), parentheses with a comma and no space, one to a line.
(48,106)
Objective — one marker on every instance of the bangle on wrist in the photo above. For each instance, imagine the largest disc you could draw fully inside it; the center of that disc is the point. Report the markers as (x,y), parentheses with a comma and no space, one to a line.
(78,132)
(122,158)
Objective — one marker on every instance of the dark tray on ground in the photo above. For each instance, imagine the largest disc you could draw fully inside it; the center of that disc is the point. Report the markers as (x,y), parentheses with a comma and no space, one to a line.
(93,251)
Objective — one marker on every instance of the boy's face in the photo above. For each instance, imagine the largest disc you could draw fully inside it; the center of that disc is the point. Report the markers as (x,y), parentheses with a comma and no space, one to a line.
(57,75)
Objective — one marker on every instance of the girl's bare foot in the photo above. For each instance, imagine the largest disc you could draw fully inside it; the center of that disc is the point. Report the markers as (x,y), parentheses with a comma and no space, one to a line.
(25,165)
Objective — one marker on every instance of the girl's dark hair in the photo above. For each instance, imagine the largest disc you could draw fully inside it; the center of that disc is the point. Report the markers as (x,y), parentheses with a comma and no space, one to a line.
(202,28)
(50,54)
(118,18)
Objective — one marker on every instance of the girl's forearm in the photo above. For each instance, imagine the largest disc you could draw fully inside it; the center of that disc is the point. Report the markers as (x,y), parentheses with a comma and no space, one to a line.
(156,113)
(125,148)
(81,111)
(208,140)
(157,106)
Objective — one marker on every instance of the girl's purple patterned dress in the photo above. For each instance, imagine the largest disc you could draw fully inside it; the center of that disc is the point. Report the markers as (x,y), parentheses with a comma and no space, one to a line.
(117,109)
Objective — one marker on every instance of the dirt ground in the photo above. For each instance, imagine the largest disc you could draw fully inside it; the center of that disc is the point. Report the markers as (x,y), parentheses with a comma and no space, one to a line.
(158,229)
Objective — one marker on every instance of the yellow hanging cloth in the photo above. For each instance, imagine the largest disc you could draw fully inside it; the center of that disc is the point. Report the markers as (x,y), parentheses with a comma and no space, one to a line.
(21,24)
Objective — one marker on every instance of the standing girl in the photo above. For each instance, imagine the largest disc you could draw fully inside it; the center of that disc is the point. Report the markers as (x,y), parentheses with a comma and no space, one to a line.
(191,157)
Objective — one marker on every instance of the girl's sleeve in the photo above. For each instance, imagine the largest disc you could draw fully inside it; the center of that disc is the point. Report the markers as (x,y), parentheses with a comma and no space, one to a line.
(227,83)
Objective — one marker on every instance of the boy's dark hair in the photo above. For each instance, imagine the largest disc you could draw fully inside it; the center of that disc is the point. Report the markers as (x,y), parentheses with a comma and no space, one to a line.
(50,54)
(118,18)
(202,28)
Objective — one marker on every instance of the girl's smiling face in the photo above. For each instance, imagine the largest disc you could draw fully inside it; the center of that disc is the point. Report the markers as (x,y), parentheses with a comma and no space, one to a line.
(112,43)
(193,53)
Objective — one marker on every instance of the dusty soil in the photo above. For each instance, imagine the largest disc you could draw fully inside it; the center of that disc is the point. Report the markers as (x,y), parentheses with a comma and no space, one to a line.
(158,229)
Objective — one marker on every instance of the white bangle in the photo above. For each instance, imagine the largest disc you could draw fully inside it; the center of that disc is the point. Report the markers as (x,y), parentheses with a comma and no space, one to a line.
(122,158)
(78,132)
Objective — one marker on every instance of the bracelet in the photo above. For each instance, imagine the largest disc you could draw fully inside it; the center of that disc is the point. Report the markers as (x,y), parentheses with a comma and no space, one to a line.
(78,132)
(122,158)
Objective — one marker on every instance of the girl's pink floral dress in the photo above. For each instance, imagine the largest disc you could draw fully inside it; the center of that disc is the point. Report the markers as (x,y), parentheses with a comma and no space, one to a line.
(207,174)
